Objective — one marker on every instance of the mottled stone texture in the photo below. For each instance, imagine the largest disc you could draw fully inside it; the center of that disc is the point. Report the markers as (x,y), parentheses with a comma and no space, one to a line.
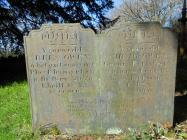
(89,84)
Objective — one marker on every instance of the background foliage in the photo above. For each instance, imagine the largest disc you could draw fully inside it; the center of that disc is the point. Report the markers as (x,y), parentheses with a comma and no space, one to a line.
(20,16)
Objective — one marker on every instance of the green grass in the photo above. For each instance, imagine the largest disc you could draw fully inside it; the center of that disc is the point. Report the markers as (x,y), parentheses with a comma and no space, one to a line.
(15,116)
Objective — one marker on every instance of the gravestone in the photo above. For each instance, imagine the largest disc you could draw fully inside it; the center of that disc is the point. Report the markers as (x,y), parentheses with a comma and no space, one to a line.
(89,83)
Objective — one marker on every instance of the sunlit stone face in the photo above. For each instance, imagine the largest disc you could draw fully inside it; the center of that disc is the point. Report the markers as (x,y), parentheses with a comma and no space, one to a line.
(89,83)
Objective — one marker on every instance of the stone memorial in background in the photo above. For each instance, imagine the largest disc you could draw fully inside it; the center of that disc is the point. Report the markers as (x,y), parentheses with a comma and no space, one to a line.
(89,83)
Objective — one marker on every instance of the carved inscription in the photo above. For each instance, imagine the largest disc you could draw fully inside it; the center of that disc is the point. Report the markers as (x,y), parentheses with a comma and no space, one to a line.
(62,62)
(66,36)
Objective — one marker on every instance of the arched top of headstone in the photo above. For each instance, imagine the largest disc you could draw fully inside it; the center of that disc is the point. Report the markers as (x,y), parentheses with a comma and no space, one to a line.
(122,21)
(54,26)
(65,34)
(121,24)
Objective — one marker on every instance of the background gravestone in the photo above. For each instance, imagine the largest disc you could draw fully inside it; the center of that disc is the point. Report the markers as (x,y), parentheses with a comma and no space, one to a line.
(87,83)
(138,67)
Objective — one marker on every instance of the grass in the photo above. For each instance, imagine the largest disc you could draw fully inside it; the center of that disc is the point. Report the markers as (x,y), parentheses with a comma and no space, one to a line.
(14,110)
(15,122)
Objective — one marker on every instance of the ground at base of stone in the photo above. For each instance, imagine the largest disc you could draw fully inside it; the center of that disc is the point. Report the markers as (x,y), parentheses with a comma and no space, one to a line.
(179,132)
(65,137)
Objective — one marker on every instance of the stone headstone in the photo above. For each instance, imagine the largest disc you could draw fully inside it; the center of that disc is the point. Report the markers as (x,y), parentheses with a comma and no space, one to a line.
(91,84)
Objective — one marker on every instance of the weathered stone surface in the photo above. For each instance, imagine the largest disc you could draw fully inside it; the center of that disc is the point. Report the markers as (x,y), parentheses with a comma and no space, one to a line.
(87,83)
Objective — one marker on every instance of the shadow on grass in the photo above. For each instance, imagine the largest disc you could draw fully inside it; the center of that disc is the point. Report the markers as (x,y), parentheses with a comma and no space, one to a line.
(180,111)
(12,69)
